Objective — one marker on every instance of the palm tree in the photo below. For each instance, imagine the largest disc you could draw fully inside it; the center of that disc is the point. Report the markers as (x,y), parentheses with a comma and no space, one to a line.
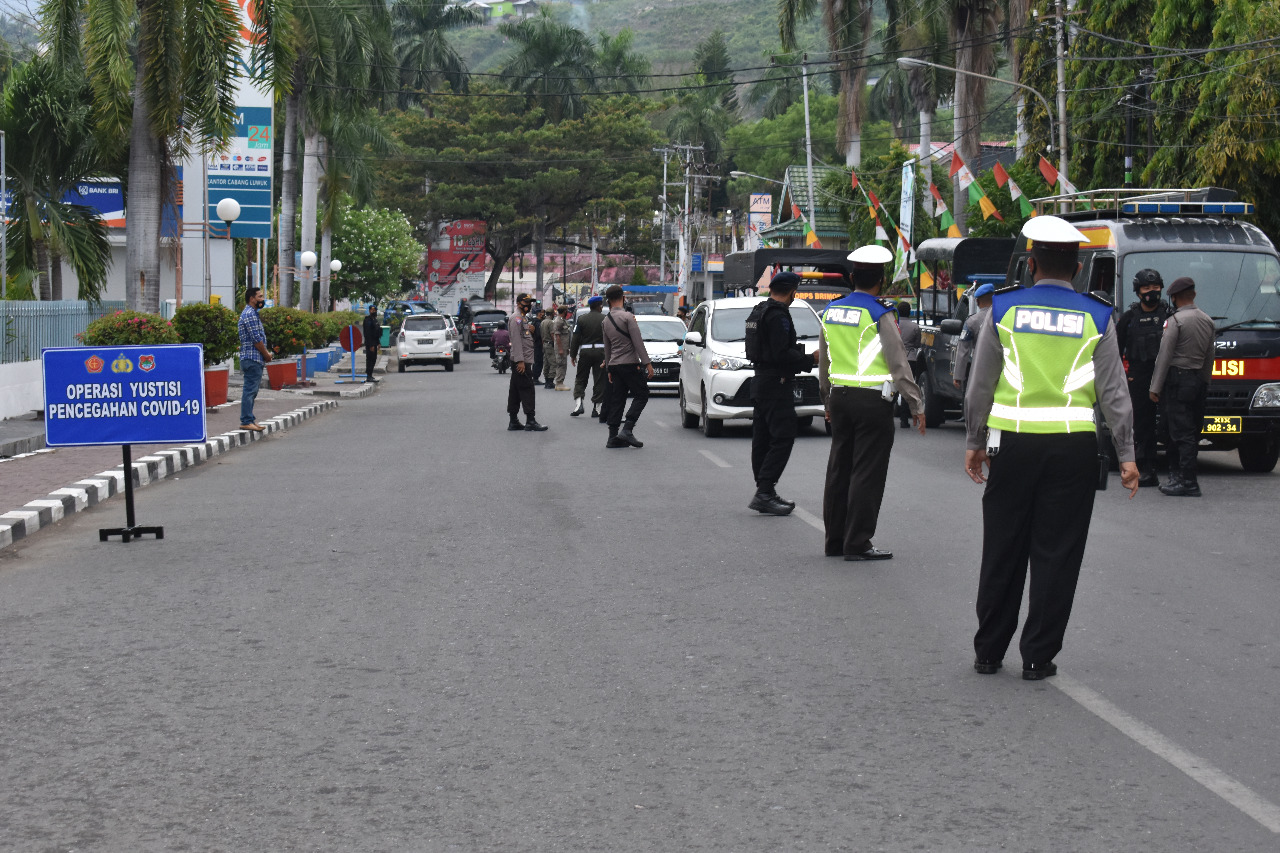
(701,119)
(973,32)
(711,61)
(163,75)
(47,119)
(423,52)
(621,67)
(780,85)
(923,35)
(554,64)
(848,26)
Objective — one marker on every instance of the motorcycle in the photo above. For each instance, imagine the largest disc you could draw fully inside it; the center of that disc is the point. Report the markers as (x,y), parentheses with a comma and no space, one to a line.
(502,359)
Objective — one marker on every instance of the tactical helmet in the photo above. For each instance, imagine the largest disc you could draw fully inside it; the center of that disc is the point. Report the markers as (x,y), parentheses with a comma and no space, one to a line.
(1145,277)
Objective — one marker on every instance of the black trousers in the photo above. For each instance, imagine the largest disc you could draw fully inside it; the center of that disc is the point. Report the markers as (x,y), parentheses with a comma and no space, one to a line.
(1183,401)
(520,393)
(626,380)
(370,360)
(1035,513)
(590,366)
(537,362)
(1144,415)
(861,438)
(773,428)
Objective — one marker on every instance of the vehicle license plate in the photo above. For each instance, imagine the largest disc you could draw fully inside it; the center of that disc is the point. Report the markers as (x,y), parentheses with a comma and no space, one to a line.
(1219,424)
(660,370)
(426,340)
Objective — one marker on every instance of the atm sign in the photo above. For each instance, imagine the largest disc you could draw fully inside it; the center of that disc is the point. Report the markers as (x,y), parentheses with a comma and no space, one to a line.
(1246,368)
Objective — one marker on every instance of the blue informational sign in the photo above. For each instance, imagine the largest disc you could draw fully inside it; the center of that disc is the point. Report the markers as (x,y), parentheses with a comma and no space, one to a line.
(696,262)
(124,395)
(243,172)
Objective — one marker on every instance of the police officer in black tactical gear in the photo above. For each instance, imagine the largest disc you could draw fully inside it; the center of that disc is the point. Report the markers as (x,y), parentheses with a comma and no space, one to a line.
(1138,333)
(778,357)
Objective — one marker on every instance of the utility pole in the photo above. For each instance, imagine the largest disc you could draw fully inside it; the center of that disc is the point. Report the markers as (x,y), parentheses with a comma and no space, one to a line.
(682,277)
(808,140)
(662,263)
(1060,46)
(1127,103)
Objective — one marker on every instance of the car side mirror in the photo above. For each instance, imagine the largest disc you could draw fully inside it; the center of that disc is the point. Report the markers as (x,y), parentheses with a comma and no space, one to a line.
(951,327)
(693,339)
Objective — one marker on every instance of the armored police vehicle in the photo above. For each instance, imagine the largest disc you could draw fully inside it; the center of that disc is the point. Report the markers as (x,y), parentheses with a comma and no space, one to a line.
(824,273)
(1195,233)
(943,310)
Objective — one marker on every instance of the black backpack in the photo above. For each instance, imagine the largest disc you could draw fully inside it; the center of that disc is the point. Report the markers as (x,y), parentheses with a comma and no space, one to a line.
(754,319)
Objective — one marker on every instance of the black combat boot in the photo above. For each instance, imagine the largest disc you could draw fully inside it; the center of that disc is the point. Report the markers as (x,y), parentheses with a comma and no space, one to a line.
(577,410)
(769,502)
(515,425)
(629,437)
(595,411)
(615,440)
(534,426)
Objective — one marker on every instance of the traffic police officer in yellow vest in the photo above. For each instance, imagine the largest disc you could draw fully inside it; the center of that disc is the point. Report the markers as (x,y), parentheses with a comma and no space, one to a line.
(1042,360)
(861,360)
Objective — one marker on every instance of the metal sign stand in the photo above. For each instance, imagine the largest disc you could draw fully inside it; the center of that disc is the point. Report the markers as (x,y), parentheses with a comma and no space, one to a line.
(351,331)
(131,531)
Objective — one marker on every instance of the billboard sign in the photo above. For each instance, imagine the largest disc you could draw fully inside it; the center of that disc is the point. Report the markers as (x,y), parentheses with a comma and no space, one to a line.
(456,264)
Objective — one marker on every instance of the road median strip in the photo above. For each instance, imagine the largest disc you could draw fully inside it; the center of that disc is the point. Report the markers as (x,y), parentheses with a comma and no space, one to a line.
(23,522)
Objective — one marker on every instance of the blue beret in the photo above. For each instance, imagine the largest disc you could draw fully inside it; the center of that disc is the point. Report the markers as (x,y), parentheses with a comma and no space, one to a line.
(984,290)
(785,280)
(595,300)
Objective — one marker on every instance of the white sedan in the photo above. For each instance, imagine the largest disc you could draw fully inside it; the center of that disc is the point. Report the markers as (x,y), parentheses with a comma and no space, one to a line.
(662,336)
(424,339)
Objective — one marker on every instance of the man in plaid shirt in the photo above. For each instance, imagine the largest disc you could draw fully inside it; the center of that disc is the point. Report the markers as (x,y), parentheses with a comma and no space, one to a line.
(253,355)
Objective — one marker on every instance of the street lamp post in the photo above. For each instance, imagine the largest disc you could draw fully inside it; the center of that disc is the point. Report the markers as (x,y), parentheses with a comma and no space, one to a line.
(308,261)
(228,211)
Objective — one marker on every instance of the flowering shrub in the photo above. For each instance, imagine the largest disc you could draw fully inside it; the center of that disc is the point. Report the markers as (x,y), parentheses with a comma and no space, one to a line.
(129,328)
(211,325)
(290,330)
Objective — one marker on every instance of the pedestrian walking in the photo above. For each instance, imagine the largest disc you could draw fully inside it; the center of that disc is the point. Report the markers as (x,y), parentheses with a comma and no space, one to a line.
(627,362)
(1039,366)
(1138,333)
(253,356)
(520,393)
(963,357)
(1179,383)
(861,362)
(910,331)
(586,349)
(777,356)
(547,328)
(372,341)
(560,333)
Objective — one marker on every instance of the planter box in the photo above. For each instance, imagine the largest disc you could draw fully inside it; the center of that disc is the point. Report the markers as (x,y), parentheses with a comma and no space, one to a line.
(281,373)
(215,386)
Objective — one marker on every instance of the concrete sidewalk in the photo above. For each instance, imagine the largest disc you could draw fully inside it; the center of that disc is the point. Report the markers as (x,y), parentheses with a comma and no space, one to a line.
(34,479)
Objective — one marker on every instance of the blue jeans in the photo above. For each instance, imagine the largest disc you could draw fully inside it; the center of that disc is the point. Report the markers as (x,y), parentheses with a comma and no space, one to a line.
(252,371)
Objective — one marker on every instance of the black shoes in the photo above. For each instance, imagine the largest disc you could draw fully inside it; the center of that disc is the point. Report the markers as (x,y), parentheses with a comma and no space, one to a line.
(1148,478)
(534,426)
(904,424)
(771,504)
(1181,489)
(626,435)
(595,413)
(515,425)
(1036,671)
(577,410)
(869,554)
(615,442)
(987,667)
(550,386)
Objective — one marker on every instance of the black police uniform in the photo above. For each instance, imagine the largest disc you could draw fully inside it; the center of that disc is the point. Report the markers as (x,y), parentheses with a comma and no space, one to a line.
(779,358)
(1138,334)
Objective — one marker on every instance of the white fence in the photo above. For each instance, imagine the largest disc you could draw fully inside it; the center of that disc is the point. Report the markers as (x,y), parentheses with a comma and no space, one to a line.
(28,327)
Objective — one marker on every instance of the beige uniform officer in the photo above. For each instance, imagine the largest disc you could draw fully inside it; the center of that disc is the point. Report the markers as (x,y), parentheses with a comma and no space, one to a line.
(1179,384)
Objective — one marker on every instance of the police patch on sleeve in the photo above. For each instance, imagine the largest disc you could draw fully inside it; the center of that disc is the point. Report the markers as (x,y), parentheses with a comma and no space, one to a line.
(843,316)
(1045,321)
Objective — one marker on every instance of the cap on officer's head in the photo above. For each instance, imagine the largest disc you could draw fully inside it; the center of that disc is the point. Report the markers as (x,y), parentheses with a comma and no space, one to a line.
(984,290)
(1146,277)
(1181,285)
(784,282)
(1053,230)
(871,255)
(594,300)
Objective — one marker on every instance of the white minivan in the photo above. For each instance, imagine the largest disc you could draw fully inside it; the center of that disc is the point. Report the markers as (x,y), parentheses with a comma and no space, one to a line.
(715,376)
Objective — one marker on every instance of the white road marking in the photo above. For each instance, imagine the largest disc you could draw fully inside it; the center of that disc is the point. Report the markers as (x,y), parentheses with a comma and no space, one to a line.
(660,424)
(716,459)
(1243,798)
(809,518)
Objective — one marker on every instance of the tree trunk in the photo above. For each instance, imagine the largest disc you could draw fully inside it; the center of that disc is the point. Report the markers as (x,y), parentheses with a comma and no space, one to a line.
(926,156)
(55,276)
(849,42)
(310,197)
(326,257)
(142,226)
(42,261)
(289,189)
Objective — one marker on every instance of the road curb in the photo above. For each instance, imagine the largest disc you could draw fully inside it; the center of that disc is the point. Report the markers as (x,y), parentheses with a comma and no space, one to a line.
(23,522)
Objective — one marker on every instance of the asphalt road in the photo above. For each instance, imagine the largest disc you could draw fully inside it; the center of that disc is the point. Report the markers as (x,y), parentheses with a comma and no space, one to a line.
(403,628)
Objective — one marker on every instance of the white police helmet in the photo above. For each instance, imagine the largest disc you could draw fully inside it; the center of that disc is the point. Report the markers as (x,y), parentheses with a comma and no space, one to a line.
(1052,229)
(871,255)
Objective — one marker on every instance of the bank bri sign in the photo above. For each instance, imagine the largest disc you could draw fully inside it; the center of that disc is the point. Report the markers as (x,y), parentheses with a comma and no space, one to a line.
(124,395)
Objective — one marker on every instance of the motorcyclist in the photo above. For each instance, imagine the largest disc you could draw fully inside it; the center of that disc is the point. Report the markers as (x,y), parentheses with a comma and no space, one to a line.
(501,340)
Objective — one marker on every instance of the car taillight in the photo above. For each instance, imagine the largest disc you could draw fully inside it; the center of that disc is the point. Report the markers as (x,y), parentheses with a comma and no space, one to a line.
(474,327)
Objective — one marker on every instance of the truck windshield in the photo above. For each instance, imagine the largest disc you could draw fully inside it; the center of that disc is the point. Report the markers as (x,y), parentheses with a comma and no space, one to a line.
(730,324)
(1239,289)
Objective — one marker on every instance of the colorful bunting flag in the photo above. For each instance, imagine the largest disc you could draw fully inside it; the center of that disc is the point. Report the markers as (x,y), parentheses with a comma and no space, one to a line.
(946,221)
(976,194)
(854,176)
(1002,177)
(1023,204)
(810,238)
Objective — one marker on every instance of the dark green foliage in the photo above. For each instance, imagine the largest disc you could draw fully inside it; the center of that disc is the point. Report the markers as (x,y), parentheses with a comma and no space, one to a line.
(211,325)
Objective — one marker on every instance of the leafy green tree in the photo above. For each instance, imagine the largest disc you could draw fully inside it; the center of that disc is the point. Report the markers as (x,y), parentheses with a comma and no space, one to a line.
(711,62)
(553,64)
(767,146)
(163,75)
(621,67)
(493,160)
(380,256)
(701,118)
(47,119)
